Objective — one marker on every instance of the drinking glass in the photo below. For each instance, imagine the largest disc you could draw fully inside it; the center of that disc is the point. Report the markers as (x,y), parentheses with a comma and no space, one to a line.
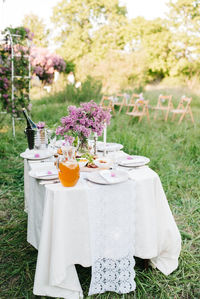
(51,138)
(115,159)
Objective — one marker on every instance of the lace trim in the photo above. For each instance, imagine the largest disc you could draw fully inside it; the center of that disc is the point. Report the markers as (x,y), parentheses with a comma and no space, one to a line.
(113,275)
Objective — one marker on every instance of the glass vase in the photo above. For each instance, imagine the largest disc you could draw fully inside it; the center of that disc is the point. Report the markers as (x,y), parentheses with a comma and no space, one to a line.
(41,139)
(83,145)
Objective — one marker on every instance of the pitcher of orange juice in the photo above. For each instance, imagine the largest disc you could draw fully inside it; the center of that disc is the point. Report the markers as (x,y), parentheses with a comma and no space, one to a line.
(68,167)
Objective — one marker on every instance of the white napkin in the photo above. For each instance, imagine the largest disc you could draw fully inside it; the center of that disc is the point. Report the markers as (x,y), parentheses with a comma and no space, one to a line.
(109,176)
(110,147)
(37,154)
(134,160)
(46,172)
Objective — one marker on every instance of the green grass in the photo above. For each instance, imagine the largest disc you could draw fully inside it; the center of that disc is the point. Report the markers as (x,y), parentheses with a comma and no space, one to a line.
(175,155)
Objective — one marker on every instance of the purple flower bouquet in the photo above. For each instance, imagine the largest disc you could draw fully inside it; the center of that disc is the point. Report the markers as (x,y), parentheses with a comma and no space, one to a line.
(83,120)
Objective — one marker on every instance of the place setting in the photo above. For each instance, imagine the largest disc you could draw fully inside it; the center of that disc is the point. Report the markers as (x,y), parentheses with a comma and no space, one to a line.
(109,147)
(34,154)
(133,161)
(44,173)
(108,177)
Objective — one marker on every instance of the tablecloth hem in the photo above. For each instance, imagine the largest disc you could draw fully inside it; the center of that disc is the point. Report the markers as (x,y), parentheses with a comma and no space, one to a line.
(46,293)
(161,267)
(132,291)
(32,244)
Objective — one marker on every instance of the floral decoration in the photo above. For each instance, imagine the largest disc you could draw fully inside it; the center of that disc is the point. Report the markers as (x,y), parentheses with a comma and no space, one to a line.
(21,83)
(83,120)
(44,64)
(41,125)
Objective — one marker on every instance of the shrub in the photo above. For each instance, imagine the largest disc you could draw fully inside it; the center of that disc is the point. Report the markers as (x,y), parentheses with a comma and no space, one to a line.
(45,63)
(21,71)
(89,90)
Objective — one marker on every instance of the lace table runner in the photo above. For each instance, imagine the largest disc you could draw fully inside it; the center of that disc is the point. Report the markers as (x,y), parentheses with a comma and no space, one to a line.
(111,216)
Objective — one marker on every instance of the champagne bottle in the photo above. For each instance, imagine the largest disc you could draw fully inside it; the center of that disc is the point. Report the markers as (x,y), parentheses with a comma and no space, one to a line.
(30,123)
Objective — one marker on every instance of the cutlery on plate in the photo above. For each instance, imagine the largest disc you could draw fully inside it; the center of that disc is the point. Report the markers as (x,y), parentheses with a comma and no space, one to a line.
(49,182)
(41,161)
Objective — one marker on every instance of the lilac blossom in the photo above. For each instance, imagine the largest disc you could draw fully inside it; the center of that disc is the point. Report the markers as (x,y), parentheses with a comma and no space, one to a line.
(45,64)
(40,125)
(69,139)
(83,120)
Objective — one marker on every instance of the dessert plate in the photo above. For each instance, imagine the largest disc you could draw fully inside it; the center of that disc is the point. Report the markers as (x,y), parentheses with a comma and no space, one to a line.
(44,173)
(108,177)
(36,154)
(110,147)
(133,161)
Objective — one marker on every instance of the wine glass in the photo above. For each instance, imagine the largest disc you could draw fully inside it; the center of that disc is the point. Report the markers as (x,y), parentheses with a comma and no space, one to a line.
(115,158)
(51,138)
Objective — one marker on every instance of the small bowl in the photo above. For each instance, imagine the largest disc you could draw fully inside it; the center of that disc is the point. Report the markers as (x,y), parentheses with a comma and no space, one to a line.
(103,163)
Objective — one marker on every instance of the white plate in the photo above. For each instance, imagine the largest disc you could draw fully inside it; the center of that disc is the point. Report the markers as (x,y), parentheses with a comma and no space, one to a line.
(110,147)
(33,154)
(43,173)
(133,161)
(103,162)
(96,177)
(82,163)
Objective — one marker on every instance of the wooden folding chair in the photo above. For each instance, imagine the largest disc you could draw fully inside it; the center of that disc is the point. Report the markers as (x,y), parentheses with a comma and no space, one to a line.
(131,104)
(164,104)
(107,103)
(140,109)
(119,100)
(183,109)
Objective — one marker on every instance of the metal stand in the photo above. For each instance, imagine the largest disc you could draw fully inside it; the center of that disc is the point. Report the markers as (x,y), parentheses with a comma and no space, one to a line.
(7,39)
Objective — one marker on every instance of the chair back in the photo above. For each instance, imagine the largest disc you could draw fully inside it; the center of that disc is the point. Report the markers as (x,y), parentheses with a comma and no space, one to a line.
(141,106)
(120,99)
(184,103)
(106,102)
(134,97)
(164,101)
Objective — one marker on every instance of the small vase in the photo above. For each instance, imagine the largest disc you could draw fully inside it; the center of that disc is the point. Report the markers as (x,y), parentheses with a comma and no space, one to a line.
(83,145)
(41,139)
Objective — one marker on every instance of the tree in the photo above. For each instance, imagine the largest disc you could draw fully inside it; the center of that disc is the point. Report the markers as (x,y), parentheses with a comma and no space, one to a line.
(88,25)
(37,26)
(152,40)
(184,21)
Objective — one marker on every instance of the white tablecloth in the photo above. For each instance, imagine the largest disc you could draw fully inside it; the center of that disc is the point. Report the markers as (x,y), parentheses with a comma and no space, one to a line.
(58,226)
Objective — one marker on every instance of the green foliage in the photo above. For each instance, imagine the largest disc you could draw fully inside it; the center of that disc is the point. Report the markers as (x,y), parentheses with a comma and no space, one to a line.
(99,38)
(83,22)
(21,71)
(90,89)
(70,67)
(20,34)
(184,19)
(37,26)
